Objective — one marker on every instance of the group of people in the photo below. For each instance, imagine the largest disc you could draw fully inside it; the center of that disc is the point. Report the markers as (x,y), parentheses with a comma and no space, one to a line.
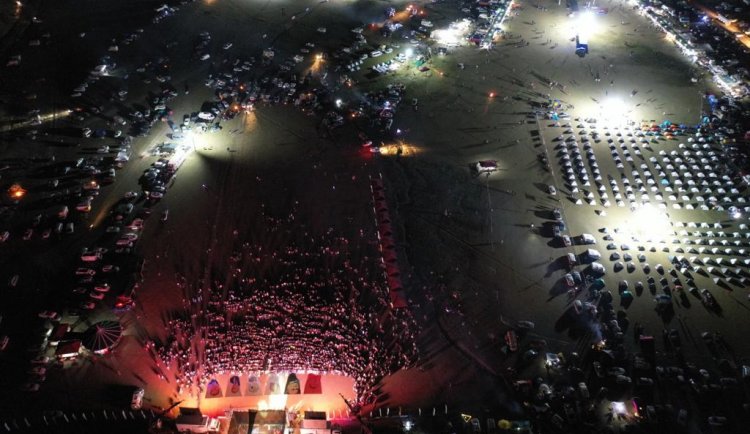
(306,303)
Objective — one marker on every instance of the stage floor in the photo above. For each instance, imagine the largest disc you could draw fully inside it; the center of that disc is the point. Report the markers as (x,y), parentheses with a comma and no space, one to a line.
(330,401)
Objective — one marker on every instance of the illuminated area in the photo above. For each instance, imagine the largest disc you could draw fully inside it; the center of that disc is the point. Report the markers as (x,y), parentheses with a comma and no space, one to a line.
(16,192)
(453,35)
(585,24)
(317,64)
(537,181)
(400,149)
(613,110)
(328,401)
(648,223)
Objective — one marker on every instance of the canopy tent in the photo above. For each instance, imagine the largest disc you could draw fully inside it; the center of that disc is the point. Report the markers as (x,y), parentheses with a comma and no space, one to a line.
(102,336)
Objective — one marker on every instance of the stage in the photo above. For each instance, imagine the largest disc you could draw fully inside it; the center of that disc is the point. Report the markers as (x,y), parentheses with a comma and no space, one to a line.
(266,392)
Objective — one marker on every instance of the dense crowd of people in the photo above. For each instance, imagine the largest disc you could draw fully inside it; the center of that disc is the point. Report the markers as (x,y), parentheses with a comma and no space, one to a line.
(314,305)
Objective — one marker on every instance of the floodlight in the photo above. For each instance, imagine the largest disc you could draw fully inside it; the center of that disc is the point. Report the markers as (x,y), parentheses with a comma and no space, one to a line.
(619,407)
(586,24)
(613,110)
(649,223)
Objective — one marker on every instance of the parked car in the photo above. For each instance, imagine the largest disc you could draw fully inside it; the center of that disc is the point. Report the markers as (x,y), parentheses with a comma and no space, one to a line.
(48,314)
(109,268)
(96,295)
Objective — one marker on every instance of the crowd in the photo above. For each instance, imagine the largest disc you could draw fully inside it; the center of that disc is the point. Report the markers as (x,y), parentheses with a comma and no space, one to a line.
(314,305)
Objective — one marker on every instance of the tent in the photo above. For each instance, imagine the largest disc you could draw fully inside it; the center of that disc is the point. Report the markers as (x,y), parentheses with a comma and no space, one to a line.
(102,336)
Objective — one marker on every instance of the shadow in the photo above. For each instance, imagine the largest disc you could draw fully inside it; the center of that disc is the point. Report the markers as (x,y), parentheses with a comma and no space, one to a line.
(559,264)
(626,300)
(665,312)
(558,289)
(623,321)
(565,321)
(684,300)
(546,214)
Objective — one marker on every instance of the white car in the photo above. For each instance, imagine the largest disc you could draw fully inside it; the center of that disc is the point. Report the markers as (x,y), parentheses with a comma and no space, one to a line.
(130,236)
(376,53)
(85,272)
(227,46)
(322,30)
(205,56)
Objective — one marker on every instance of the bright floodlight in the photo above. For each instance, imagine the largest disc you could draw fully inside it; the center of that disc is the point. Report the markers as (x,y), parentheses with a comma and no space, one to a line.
(453,34)
(586,24)
(613,109)
(618,407)
(650,224)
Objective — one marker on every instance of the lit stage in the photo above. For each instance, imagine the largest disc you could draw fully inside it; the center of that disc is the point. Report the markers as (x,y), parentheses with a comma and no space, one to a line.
(264,392)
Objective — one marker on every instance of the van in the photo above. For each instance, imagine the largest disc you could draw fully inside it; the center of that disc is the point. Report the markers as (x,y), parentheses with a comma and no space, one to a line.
(598,269)
(62,212)
(588,239)
(572,260)
(593,254)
